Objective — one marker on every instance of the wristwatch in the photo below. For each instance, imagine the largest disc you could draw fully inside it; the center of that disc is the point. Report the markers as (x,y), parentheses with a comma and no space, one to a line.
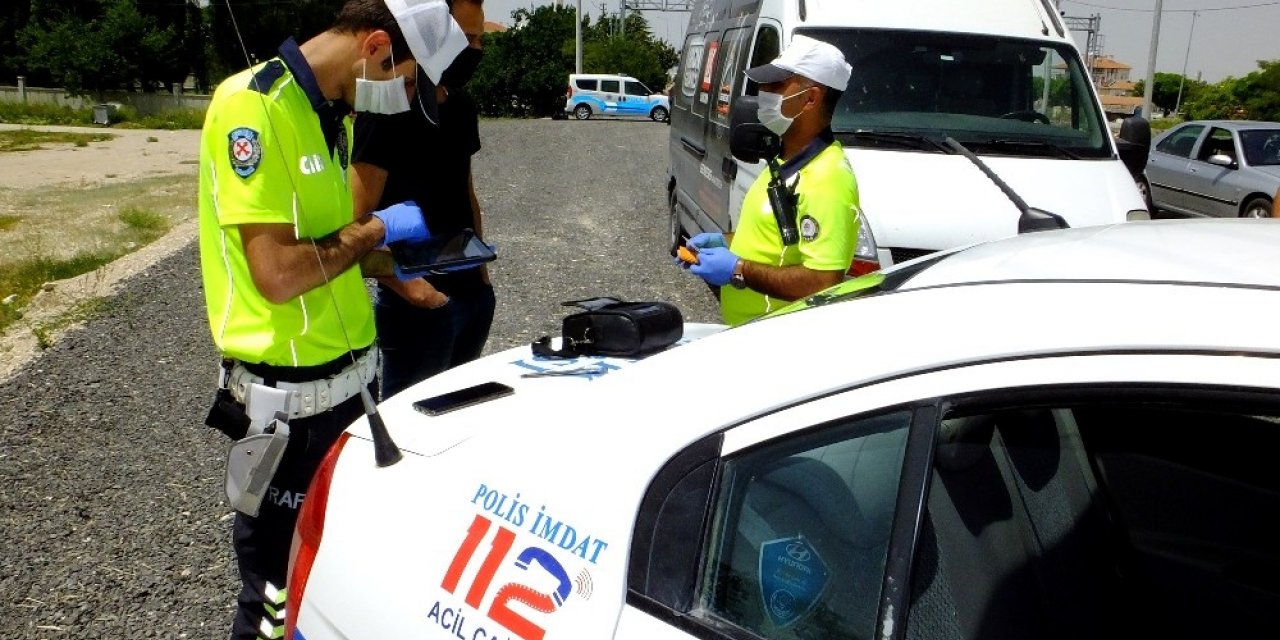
(738,280)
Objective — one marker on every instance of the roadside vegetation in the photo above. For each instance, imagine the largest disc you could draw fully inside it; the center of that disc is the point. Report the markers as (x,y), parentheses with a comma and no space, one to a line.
(125,117)
(31,140)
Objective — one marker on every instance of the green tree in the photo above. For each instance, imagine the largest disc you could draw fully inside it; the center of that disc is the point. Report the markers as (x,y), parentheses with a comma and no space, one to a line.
(13,17)
(90,47)
(1165,95)
(263,26)
(633,51)
(1260,91)
(526,68)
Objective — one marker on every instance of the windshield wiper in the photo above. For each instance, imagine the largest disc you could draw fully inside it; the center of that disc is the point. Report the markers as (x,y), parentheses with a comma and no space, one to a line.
(1031,144)
(912,140)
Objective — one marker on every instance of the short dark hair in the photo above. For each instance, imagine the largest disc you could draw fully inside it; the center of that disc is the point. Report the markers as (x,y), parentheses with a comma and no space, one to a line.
(829,99)
(372,15)
(479,3)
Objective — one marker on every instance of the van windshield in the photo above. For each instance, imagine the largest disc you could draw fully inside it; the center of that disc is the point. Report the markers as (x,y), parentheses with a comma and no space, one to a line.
(995,95)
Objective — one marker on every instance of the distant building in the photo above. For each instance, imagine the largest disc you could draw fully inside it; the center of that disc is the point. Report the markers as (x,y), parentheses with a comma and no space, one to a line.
(1115,89)
(494,27)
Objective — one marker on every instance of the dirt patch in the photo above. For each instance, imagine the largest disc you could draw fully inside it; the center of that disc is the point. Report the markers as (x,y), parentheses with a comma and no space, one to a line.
(125,158)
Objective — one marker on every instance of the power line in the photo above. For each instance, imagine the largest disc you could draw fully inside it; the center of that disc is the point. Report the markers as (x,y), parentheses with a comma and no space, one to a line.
(1243,6)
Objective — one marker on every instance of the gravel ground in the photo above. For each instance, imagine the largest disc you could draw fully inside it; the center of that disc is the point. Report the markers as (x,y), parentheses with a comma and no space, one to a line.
(111,508)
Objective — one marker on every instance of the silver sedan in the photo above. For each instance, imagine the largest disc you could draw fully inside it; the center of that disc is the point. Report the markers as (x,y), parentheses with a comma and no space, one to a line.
(1221,168)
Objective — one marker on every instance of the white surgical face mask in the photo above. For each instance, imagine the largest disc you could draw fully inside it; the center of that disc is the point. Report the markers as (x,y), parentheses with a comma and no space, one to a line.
(382,96)
(770,111)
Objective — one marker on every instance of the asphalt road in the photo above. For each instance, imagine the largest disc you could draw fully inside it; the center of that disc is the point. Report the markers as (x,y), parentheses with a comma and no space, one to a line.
(112,517)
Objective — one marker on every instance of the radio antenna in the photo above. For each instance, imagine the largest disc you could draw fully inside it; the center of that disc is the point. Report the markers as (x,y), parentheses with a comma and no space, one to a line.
(385,451)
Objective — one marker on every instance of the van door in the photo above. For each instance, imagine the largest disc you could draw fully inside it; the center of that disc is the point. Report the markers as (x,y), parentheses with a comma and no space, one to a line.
(611,95)
(718,167)
(635,98)
(766,46)
(688,147)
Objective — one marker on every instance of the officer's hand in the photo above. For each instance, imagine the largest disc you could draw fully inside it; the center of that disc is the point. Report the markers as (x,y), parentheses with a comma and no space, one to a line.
(715,265)
(706,241)
(403,221)
(420,293)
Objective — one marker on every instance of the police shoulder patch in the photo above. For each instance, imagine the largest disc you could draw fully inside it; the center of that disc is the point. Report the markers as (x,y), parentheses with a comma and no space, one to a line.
(245,149)
(809,228)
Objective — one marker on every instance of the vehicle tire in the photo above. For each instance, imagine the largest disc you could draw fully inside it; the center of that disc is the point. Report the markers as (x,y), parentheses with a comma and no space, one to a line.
(675,232)
(1144,188)
(582,112)
(659,114)
(1257,207)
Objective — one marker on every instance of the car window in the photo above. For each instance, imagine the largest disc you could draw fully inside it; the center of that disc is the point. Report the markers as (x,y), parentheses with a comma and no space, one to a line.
(1102,518)
(801,529)
(1261,146)
(1181,141)
(635,88)
(767,47)
(734,41)
(690,70)
(609,86)
(585,84)
(1218,142)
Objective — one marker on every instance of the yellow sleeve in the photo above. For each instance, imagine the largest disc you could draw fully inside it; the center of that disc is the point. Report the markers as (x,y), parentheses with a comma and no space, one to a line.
(247,143)
(828,217)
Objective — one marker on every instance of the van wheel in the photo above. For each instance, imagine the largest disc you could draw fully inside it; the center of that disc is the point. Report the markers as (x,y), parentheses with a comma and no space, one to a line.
(582,112)
(659,114)
(1259,207)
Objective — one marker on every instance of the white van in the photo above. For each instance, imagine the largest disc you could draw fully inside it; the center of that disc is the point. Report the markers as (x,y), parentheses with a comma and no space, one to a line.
(1002,77)
(604,94)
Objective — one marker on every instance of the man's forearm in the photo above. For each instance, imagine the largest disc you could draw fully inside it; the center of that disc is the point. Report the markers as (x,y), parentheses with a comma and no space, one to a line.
(284,267)
(787,283)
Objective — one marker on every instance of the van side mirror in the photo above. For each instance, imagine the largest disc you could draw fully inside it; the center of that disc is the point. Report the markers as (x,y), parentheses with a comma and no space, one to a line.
(1134,144)
(750,141)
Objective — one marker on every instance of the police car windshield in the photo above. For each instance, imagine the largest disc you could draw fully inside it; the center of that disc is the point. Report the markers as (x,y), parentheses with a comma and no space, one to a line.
(996,95)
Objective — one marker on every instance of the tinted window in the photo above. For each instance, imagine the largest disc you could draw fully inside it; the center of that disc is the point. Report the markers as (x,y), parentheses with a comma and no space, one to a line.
(609,86)
(1261,146)
(705,81)
(766,48)
(1115,520)
(734,41)
(585,85)
(1219,142)
(636,89)
(1181,141)
(801,529)
(690,70)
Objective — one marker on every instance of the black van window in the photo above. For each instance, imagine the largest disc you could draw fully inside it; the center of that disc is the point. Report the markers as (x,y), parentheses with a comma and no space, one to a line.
(690,70)
(635,88)
(768,46)
(734,42)
(710,55)
(609,86)
(585,85)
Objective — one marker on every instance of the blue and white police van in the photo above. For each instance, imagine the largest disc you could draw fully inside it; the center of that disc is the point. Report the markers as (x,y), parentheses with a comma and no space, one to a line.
(604,94)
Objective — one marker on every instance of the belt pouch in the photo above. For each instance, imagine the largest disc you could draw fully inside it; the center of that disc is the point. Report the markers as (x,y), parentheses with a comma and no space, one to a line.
(226,415)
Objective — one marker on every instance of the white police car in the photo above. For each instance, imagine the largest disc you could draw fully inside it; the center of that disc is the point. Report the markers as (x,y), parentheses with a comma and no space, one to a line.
(1062,435)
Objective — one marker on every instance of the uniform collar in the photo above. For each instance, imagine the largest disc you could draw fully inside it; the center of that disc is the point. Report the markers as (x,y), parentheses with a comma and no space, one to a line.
(808,153)
(306,78)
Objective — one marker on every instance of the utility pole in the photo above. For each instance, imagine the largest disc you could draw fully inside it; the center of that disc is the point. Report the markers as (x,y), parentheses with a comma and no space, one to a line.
(577,40)
(1183,79)
(1149,89)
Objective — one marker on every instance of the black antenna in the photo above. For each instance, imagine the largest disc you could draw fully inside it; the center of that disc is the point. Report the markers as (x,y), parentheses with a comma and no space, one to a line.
(385,451)
(1031,219)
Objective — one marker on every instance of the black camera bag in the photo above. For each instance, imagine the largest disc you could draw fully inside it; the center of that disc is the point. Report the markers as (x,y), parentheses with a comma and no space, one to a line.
(611,327)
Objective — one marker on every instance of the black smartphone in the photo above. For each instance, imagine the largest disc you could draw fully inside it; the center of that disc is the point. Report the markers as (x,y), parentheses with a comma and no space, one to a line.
(452,400)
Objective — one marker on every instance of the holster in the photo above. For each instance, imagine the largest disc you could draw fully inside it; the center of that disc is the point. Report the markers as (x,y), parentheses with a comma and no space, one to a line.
(611,327)
(252,463)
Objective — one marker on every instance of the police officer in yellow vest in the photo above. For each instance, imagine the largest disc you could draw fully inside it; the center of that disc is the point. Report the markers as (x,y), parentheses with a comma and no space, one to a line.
(756,271)
(278,245)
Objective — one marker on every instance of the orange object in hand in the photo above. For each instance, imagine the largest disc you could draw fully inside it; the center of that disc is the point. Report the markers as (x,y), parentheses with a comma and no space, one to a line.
(686,255)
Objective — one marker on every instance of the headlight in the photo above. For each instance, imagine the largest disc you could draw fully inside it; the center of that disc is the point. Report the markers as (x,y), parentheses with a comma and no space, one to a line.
(1137,214)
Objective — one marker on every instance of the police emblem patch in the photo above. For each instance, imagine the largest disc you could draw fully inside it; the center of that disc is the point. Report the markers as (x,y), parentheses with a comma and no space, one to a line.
(809,228)
(245,148)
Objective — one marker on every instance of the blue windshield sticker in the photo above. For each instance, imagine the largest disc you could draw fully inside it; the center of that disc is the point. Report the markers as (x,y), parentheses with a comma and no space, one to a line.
(792,579)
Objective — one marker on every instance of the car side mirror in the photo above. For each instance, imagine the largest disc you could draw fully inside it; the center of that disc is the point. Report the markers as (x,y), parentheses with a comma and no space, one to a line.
(1134,144)
(1222,160)
(750,141)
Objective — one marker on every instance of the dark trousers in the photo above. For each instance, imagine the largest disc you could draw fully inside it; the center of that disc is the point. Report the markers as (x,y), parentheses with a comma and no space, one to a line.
(418,343)
(262,542)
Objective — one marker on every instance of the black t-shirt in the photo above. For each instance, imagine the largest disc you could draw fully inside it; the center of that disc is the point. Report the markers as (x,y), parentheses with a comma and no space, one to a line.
(428,164)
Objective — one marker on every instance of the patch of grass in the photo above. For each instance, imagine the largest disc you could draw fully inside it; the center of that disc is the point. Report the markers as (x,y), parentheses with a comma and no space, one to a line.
(145,223)
(30,140)
(169,120)
(9,221)
(46,332)
(124,118)
(25,278)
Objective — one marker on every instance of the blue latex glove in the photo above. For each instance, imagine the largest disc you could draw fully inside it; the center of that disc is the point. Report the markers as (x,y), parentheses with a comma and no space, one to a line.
(706,241)
(715,265)
(403,221)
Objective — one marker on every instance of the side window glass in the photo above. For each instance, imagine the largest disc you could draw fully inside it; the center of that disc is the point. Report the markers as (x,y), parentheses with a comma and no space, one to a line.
(609,86)
(801,528)
(705,84)
(586,85)
(635,89)
(1180,142)
(729,72)
(690,71)
(1218,142)
(768,46)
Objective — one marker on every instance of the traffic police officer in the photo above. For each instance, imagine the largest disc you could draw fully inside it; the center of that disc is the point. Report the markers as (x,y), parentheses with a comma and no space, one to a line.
(287,311)
(798,94)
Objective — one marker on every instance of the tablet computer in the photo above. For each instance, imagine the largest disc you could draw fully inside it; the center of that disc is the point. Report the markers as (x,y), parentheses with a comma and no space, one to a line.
(462,250)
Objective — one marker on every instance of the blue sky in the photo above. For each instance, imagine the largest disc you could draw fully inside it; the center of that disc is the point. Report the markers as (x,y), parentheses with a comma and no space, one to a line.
(1227,42)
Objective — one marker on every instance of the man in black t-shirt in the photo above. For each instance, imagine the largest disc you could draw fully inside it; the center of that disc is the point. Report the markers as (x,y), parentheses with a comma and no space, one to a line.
(428,325)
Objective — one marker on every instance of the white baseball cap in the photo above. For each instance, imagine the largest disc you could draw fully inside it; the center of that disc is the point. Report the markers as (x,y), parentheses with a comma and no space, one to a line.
(814,59)
(433,35)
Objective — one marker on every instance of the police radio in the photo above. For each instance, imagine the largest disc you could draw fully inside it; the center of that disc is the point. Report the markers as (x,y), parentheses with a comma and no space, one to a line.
(784,202)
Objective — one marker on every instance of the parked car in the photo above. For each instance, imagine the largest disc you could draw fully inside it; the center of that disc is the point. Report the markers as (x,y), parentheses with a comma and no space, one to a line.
(613,95)
(994,442)
(1002,77)
(1222,168)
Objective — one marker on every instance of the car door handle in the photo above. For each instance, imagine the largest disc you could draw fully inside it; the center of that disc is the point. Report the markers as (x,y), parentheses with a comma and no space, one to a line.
(693,148)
